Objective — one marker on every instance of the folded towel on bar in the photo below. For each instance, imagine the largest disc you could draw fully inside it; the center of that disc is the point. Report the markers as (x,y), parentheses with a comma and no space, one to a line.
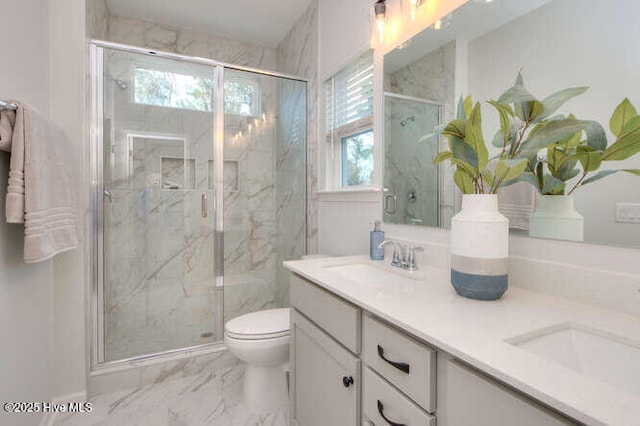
(517,202)
(39,192)
(7,121)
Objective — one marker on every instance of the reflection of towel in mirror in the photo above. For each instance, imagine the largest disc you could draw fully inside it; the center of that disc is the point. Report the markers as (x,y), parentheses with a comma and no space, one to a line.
(39,192)
(517,202)
(7,121)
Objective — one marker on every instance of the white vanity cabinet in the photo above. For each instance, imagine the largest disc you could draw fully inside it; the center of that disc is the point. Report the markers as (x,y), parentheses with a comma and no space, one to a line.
(472,398)
(349,368)
(325,369)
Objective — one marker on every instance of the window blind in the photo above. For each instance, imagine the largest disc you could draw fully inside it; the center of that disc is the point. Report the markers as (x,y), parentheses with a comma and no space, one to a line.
(349,93)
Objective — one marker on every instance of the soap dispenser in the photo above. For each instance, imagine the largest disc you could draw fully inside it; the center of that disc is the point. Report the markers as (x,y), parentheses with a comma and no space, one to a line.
(376,238)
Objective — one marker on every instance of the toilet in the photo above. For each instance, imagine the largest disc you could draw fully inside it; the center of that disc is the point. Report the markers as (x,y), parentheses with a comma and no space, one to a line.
(261,339)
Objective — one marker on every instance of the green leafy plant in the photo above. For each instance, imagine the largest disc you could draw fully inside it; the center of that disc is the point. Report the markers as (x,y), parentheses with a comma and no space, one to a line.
(574,148)
(469,154)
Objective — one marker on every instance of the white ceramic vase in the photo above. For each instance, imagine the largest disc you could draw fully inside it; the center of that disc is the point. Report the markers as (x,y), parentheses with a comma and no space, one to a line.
(480,248)
(557,218)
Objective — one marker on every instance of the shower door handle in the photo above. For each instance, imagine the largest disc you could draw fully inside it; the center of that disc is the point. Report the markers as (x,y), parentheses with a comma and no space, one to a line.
(387,208)
(205,204)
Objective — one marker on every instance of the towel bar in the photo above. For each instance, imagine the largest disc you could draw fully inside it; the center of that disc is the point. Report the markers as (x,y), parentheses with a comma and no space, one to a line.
(7,105)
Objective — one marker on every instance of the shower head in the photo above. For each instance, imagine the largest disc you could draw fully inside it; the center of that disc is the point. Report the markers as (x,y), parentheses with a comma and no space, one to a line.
(120,83)
(407,120)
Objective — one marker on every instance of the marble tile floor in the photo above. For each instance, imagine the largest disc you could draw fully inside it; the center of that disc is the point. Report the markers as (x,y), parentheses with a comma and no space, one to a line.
(211,398)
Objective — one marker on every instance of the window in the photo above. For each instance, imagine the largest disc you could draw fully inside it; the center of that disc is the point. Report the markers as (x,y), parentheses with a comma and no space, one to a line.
(175,90)
(168,89)
(349,123)
(357,159)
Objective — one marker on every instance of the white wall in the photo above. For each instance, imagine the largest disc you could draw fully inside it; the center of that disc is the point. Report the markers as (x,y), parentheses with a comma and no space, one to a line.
(591,49)
(67,106)
(26,291)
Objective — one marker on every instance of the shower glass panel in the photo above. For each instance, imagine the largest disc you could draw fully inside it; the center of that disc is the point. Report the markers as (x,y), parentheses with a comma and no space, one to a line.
(410,177)
(159,282)
(265,188)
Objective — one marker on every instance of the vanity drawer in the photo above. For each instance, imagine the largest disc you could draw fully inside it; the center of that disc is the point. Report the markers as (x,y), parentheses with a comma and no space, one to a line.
(335,316)
(405,363)
(381,399)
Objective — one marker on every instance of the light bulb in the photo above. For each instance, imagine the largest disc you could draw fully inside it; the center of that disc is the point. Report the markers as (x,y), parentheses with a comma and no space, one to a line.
(437,25)
(380,10)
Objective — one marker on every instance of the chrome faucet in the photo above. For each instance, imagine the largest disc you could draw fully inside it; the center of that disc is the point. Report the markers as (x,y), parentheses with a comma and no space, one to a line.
(404,255)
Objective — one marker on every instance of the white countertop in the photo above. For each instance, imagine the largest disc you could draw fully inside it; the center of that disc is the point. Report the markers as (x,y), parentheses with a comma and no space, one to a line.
(475,332)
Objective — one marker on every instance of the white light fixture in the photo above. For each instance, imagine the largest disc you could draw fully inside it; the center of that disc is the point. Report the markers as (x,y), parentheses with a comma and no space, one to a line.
(380,10)
(414,5)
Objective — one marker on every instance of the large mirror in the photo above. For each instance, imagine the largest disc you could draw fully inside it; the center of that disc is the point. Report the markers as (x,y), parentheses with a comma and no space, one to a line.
(478,50)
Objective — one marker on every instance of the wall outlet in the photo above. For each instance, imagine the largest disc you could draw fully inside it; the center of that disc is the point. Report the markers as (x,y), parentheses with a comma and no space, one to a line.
(628,212)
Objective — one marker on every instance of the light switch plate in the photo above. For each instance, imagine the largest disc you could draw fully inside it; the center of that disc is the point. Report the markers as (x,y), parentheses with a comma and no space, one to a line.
(628,212)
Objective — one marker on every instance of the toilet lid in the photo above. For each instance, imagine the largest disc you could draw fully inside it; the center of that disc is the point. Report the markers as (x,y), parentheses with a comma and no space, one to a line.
(259,325)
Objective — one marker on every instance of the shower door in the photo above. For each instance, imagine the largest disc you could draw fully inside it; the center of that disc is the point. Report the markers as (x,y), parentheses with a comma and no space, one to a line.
(410,144)
(158,283)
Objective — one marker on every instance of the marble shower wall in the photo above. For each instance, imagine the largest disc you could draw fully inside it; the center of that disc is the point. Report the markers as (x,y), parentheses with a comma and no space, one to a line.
(154,36)
(432,78)
(97,19)
(297,54)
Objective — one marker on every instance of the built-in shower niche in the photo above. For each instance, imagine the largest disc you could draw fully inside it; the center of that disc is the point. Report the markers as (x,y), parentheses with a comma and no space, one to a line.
(178,173)
(160,162)
(230,175)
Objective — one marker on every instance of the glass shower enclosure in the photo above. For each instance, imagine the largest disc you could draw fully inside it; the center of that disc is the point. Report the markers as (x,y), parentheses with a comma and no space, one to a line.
(199,195)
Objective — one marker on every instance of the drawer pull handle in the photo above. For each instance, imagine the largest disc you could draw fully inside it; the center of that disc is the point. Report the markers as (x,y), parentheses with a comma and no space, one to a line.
(381,412)
(402,366)
(347,381)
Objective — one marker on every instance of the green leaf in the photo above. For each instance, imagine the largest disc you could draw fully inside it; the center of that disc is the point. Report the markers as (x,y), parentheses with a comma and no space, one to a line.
(553,102)
(590,161)
(463,152)
(516,94)
(552,186)
(506,114)
(474,136)
(464,181)
(442,156)
(628,143)
(533,110)
(552,132)
(460,114)
(510,169)
(596,136)
(525,177)
(624,112)
(468,106)
(601,174)
(456,128)
(466,167)
(632,171)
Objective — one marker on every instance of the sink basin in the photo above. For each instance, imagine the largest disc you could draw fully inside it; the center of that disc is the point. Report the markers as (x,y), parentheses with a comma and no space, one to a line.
(596,354)
(374,276)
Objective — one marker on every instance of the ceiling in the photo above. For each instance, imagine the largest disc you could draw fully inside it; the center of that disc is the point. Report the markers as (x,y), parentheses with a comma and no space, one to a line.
(265,22)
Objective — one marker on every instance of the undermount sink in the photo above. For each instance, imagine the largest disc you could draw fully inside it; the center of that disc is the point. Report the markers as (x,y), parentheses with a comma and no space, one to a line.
(374,276)
(593,353)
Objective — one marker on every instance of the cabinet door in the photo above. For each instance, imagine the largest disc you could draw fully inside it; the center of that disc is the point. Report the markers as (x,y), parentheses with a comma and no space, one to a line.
(326,378)
(474,399)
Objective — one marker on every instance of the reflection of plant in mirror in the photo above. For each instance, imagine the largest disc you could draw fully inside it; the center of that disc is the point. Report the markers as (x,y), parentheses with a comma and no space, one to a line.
(469,153)
(527,127)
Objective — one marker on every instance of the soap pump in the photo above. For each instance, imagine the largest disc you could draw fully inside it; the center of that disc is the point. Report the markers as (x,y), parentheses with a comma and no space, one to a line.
(376,238)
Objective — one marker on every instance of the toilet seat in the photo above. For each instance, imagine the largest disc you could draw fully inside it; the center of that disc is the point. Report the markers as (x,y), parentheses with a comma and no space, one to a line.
(261,325)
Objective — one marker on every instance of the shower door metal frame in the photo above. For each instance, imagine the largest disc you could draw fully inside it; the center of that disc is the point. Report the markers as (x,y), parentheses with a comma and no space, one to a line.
(95,345)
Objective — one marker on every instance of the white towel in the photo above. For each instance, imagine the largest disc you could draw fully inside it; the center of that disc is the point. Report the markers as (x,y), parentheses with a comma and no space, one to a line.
(7,121)
(39,193)
(517,202)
